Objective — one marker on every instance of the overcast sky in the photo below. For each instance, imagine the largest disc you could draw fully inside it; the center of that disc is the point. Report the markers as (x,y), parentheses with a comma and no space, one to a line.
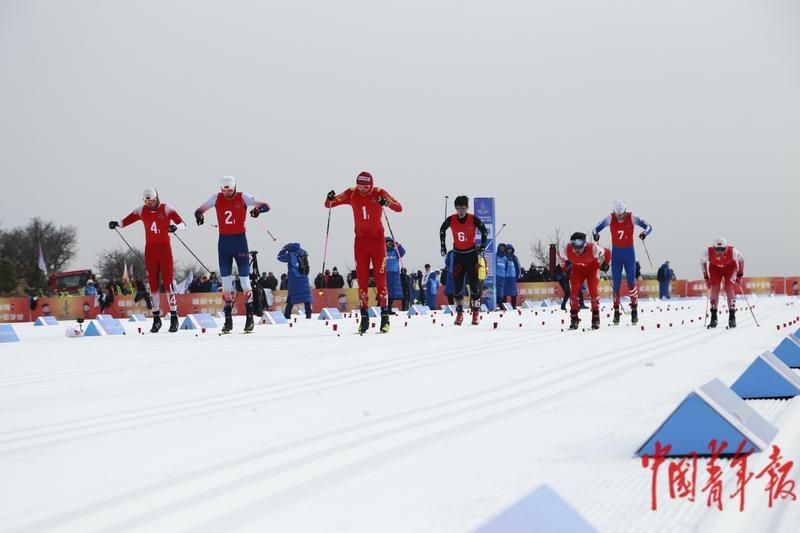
(688,110)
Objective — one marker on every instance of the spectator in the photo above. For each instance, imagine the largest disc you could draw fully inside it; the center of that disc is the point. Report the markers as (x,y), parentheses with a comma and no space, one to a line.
(319,281)
(336,281)
(500,266)
(432,288)
(90,289)
(405,284)
(352,282)
(213,283)
(142,293)
(423,285)
(393,254)
(638,270)
(664,276)
(512,273)
(271,282)
(284,282)
(106,298)
(299,289)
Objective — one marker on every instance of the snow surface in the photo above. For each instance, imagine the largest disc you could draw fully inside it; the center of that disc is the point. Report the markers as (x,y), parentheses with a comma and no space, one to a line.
(429,428)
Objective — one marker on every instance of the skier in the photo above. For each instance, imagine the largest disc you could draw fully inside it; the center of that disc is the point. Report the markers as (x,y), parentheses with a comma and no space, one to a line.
(299,288)
(367,202)
(719,262)
(621,224)
(587,260)
(394,251)
(159,220)
(465,264)
(231,207)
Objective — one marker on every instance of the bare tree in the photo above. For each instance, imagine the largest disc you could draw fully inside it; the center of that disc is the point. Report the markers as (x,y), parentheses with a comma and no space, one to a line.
(21,246)
(110,263)
(541,250)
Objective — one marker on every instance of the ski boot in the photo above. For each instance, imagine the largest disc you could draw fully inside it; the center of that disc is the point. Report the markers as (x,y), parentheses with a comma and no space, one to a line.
(156,322)
(459,315)
(595,319)
(732,318)
(249,323)
(227,327)
(574,321)
(363,327)
(385,320)
(713,322)
(475,316)
(615,321)
(173,322)
(634,315)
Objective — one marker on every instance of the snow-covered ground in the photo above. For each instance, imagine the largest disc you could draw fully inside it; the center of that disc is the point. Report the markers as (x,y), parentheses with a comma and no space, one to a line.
(429,428)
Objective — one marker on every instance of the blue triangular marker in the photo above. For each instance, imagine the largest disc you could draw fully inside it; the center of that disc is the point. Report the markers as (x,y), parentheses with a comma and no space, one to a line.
(767,377)
(542,510)
(788,351)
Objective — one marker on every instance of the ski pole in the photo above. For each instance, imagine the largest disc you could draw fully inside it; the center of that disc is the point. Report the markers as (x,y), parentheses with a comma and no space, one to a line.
(611,286)
(327,232)
(191,252)
(496,235)
(267,230)
(134,252)
(648,254)
(445,205)
(748,305)
(705,316)
(391,233)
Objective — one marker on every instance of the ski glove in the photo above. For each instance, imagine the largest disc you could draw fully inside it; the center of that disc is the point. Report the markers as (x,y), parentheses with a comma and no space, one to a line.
(383,201)
(255,212)
(199,218)
(331,195)
(481,249)
(596,237)
(642,235)
(173,228)
(708,281)
(113,224)
(605,266)
(444,250)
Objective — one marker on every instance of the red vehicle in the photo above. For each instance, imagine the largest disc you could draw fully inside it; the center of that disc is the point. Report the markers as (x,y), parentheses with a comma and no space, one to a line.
(71,282)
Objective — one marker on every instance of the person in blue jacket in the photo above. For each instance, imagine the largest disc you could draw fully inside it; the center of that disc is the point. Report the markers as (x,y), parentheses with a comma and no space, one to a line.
(512,275)
(500,274)
(431,289)
(449,281)
(299,288)
(393,254)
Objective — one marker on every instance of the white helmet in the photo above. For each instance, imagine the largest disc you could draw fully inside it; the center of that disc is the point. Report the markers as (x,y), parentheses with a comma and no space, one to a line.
(150,193)
(227,184)
(619,207)
(720,242)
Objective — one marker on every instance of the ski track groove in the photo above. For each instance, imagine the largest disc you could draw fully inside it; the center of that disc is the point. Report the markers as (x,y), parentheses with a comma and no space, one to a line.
(593,362)
(239,399)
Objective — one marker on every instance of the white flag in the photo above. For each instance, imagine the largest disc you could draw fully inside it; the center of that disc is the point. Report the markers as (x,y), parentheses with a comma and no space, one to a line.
(125,278)
(42,264)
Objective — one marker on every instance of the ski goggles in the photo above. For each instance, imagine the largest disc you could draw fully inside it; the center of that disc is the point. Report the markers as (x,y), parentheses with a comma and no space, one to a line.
(720,249)
(577,244)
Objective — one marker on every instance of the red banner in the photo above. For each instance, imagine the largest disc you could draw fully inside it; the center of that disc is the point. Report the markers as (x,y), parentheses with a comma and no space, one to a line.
(74,307)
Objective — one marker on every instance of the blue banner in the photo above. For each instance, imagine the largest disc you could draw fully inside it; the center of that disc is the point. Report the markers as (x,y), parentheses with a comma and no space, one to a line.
(485,210)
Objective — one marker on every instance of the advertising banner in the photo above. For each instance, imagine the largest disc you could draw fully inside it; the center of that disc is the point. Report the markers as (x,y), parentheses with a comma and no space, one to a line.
(484,209)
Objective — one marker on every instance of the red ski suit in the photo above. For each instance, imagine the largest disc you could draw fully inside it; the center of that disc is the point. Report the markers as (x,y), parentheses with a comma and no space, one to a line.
(585,267)
(157,249)
(727,266)
(369,245)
